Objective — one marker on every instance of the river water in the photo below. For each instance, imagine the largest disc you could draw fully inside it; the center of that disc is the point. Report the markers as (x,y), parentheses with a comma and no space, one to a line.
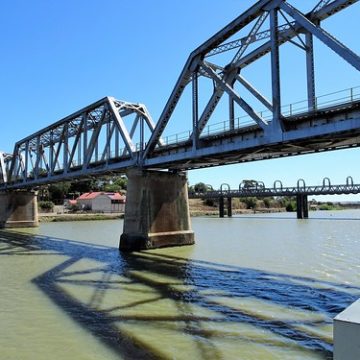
(253,287)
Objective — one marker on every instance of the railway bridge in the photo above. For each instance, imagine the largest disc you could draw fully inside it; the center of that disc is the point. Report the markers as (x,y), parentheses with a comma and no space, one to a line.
(112,136)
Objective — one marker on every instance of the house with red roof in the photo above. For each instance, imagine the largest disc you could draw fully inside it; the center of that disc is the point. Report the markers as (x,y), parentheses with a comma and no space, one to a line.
(100,201)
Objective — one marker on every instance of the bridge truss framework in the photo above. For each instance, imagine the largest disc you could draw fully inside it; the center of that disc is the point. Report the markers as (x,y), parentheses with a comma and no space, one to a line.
(96,139)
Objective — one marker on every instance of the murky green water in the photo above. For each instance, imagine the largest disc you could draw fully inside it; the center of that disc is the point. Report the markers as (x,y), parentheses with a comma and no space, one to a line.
(257,287)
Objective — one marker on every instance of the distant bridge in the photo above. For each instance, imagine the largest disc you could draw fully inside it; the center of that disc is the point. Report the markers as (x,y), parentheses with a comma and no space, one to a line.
(300,191)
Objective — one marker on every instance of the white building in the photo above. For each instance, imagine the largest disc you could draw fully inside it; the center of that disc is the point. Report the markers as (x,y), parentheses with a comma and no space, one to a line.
(102,202)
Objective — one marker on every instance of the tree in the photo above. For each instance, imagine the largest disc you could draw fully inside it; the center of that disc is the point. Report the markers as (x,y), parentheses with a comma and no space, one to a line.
(58,192)
(84,186)
(201,187)
(114,184)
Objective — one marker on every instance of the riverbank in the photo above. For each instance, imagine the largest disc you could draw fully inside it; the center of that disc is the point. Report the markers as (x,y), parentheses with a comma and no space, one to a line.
(197,209)
(62,217)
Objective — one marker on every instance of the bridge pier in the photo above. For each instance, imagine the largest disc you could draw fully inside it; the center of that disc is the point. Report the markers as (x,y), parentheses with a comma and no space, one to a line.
(222,207)
(156,212)
(18,209)
(302,208)
(229,207)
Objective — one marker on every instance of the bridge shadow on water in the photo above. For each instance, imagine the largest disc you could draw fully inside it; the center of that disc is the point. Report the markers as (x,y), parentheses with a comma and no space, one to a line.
(206,298)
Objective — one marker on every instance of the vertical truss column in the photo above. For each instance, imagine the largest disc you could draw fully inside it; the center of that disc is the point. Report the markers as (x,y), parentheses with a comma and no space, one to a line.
(85,140)
(51,155)
(275,70)
(66,148)
(38,158)
(108,142)
(26,170)
(232,109)
(195,109)
(142,138)
(310,72)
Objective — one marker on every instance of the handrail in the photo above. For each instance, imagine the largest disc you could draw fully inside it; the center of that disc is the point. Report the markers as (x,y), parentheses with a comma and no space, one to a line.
(349,181)
(276,182)
(225,184)
(301,182)
(350,95)
(326,182)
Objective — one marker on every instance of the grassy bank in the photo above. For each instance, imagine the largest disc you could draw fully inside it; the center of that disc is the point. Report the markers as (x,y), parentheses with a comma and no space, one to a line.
(77,217)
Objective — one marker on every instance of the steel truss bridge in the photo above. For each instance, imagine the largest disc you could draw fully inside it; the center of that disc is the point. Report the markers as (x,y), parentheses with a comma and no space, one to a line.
(279,190)
(111,136)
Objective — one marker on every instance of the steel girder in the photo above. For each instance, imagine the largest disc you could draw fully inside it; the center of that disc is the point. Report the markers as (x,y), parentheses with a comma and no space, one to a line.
(81,144)
(225,77)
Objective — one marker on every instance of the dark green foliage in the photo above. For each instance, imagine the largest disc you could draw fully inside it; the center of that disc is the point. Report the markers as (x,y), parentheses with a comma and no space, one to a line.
(46,206)
(267,202)
(200,187)
(211,202)
(250,202)
(58,192)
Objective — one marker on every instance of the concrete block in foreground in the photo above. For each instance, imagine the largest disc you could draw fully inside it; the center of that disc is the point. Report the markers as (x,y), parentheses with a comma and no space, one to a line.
(347,333)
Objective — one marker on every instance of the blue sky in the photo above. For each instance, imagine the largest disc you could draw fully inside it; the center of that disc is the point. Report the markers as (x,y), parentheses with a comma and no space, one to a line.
(59,56)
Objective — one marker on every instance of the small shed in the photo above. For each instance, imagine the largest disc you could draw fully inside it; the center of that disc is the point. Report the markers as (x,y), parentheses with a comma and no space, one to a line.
(102,201)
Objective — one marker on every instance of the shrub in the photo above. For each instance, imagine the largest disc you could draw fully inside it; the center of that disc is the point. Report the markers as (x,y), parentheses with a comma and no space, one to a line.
(250,202)
(290,206)
(210,202)
(47,206)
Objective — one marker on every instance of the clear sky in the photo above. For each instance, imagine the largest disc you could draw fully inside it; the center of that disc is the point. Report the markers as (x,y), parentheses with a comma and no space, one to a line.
(59,56)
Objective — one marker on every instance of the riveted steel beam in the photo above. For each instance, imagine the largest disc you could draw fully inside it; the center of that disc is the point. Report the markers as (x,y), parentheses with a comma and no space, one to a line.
(334,44)
(241,102)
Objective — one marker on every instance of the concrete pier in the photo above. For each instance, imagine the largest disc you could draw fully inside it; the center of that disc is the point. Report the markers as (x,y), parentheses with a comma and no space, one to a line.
(18,209)
(302,207)
(347,333)
(156,211)
(222,206)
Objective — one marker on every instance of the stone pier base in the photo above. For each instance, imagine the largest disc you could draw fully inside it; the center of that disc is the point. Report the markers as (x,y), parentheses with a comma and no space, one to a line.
(18,209)
(156,211)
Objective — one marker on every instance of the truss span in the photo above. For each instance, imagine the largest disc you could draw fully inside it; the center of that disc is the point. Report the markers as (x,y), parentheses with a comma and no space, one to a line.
(85,143)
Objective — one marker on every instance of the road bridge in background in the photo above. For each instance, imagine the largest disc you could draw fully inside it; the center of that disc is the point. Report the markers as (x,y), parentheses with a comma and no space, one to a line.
(112,136)
(301,191)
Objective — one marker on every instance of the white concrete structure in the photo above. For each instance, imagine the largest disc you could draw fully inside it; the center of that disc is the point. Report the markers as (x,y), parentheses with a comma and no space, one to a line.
(347,333)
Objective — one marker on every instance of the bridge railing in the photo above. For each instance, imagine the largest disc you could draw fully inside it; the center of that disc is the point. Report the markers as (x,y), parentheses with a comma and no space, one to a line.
(326,188)
(344,96)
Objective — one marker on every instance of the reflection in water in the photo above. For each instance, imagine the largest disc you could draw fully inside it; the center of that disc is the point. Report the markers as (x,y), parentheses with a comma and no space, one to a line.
(153,304)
